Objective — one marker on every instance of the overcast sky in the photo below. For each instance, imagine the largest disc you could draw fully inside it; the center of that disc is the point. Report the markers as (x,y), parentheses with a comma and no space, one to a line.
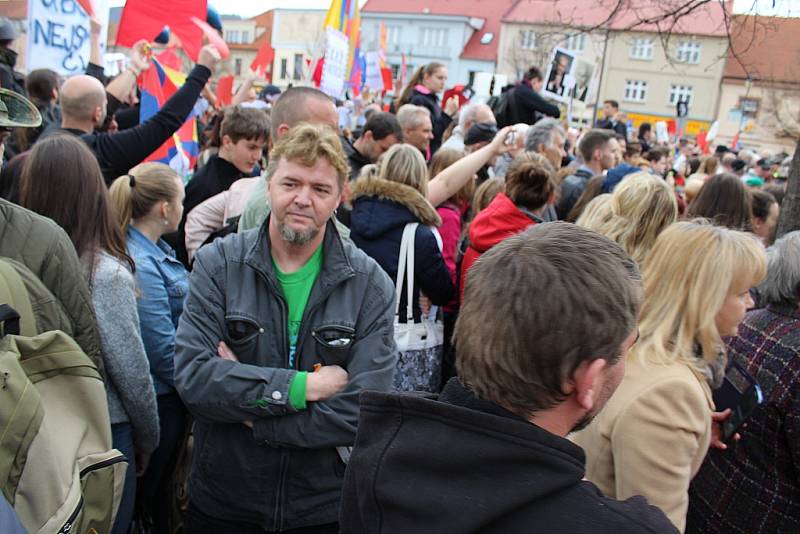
(249,8)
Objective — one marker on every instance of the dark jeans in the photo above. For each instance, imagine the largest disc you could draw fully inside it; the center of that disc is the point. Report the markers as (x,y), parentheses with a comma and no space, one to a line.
(154,493)
(199,523)
(122,439)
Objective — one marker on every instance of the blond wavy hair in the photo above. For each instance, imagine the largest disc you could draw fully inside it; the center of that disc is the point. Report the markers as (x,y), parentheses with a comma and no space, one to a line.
(305,144)
(641,207)
(596,212)
(693,267)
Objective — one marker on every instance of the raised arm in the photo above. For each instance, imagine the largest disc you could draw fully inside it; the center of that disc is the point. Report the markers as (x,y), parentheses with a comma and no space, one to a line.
(448,182)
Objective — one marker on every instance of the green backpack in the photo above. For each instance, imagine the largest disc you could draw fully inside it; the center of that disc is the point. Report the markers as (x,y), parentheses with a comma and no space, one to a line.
(57,467)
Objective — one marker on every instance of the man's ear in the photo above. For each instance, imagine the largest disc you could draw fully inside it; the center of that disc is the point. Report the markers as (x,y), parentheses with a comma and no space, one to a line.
(587,381)
(226,141)
(282,129)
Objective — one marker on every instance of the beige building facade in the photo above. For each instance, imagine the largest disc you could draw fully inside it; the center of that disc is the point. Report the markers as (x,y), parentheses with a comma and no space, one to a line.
(648,80)
(297,39)
(523,45)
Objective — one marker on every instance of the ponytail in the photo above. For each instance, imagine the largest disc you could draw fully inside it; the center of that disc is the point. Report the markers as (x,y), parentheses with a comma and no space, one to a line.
(416,79)
(134,194)
(121,193)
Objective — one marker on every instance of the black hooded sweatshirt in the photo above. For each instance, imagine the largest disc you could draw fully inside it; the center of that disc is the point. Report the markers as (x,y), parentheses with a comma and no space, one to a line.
(460,465)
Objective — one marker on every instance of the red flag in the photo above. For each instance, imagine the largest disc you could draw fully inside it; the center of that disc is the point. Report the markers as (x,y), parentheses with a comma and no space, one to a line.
(225,90)
(386,74)
(316,77)
(702,141)
(144,19)
(87,7)
(262,64)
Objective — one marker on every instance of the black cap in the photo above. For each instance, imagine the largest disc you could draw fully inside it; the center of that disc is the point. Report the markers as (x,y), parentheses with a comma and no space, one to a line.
(721,149)
(480,133)
(764,163)
(738,165)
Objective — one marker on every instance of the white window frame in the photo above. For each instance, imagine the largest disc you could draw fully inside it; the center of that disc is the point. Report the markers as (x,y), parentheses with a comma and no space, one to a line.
(527,40)
(642,48)
(392,35)
(635,91)
(232,36)
(689,52)
(680,92)
(245,36)
(434,37)
(575,42)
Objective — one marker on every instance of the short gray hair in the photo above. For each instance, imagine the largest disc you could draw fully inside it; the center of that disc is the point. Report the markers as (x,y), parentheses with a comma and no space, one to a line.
(409,115)
(468,113)
(541,133)
(783,271)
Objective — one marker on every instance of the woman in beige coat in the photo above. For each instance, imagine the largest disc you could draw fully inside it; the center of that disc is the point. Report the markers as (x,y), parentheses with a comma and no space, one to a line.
(653,434)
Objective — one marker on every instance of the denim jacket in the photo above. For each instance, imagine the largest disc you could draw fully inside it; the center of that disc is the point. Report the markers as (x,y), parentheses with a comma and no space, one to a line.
(162,282)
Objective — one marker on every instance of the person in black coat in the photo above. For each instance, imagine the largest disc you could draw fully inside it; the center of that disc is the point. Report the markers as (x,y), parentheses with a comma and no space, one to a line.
(422,90)
(490,454)
(526,104)
(382,206)
(243,136)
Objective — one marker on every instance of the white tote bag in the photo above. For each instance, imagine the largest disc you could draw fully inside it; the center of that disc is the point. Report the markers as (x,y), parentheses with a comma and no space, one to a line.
(419,367)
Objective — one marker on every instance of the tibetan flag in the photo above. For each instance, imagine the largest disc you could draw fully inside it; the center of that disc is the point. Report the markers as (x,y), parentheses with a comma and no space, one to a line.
(345,16)
(144,19)
(158,84)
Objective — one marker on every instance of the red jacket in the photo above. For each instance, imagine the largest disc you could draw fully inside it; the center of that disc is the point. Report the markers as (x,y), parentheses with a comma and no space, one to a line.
(500,219)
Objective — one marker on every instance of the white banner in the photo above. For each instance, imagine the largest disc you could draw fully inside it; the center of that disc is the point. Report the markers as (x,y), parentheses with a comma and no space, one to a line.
(59,35)
(334,70)
(374,77)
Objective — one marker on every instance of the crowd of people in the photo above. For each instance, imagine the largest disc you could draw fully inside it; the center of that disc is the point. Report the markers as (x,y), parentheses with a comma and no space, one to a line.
(593,287)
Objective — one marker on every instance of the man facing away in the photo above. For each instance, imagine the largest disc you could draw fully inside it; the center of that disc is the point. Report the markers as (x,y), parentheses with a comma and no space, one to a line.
(490,454)
(282,328)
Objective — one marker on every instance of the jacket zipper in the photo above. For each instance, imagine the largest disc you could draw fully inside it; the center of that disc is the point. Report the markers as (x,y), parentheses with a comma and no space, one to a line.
(306,314)
(66,528)
(278,516)
(101,465)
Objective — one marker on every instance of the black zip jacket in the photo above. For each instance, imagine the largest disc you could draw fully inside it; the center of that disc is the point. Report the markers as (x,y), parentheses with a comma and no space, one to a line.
(461,465)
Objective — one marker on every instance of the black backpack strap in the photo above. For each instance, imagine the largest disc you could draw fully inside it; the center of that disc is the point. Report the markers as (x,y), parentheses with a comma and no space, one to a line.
(10,319)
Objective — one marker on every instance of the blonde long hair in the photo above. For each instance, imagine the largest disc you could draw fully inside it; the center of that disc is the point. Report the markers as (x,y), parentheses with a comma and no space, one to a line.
(134,194)
(404,164)
(641,206)
(691,270)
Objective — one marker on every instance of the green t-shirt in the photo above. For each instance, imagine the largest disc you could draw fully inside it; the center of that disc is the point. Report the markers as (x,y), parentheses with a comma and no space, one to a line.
(296,288)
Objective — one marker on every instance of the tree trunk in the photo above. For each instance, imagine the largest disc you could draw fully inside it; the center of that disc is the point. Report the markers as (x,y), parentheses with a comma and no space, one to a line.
(790,209)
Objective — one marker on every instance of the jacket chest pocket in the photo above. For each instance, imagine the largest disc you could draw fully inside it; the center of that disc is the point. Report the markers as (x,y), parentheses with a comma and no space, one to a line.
(333,343)
(241,335)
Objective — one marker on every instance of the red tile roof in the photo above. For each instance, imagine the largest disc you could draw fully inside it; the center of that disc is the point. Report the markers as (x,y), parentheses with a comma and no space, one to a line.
(767,49)
(14,9)
(491,11)
(636,15)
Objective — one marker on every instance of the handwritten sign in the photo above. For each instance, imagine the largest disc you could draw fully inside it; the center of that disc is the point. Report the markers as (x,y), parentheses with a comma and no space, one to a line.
(59,35)
(374,76)
(334,70)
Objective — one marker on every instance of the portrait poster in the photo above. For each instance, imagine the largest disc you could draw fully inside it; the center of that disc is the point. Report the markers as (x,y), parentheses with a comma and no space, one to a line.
(560,67)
